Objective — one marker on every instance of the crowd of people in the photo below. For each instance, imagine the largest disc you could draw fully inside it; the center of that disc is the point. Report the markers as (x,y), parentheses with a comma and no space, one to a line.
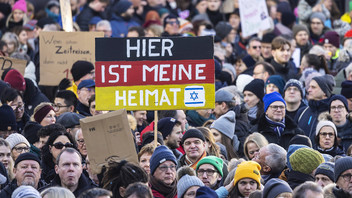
(281,125)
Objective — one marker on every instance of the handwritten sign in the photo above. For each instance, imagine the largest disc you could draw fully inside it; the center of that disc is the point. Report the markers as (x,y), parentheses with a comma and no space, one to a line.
(66,15)
(13,63)
(108,138)
(154,73)
(59,50)
(254,16)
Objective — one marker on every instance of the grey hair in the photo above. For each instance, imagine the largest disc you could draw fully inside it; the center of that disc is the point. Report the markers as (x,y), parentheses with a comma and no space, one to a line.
(104,23)
(277,158)
(301,190)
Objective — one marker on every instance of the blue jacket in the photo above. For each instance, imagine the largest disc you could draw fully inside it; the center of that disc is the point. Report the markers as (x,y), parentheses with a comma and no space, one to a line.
(120,27)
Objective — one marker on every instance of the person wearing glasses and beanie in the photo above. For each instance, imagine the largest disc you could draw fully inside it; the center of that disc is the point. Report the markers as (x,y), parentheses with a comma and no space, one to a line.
(163,173)
(209,170)
(326,139)
(343,177)
(18,144)
(274,124)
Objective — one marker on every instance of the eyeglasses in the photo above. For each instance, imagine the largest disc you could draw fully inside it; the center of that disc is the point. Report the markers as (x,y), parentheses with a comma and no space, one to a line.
(21,149)
(316,23)
(60,145)
(19,106)
(347,177)
(255,47)
(57,107)
(324,134)
(294,89)
(339,108)
(173,22)
(80,141)
(209,172)
(165,168)
(89,89)
(275,107)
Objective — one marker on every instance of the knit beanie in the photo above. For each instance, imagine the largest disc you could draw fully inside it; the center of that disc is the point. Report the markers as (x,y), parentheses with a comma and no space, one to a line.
(41,113)
(206,192)
(80,69)
(274,187)
(326,83)
(295,83)
(324,123)
(27,156)
(300,139)
(346,88)
(121,7)
(272,97)
(288,19)
(168,17)
(248,169)
(256,86)
(222,95)
(326,168)
(291,149)
(25,191)
(166,125)
(341,98)
(341,165)
(160,155)
(306,160)
(16,138)
(268,38)
(215,161)
(297,28)
(8,118)
(20,5)
(331,37)
(278,81)
(242,81)
(192,133)
(223,29)
(186,182)
(248,61)
(30,131)
(16,80)
(225,124)
(318,15)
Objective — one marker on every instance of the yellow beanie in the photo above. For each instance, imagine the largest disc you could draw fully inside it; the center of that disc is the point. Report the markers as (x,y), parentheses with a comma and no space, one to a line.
(248,169)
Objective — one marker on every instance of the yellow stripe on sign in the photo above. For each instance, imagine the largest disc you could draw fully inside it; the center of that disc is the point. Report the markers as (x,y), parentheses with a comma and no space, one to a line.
(156,97)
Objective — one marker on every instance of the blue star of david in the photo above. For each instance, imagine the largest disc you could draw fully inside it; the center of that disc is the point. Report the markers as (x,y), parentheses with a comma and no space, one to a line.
(194,95)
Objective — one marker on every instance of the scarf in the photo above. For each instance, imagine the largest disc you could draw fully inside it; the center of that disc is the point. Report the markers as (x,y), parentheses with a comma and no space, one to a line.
(252,113)
(168,191)
(190,164)
(197,119)
(278,127)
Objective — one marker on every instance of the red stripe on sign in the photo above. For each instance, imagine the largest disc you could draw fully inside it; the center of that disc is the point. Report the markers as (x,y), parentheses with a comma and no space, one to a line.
(128,73)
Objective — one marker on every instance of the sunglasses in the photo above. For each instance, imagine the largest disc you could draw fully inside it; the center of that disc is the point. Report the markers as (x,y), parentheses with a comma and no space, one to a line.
(60,145)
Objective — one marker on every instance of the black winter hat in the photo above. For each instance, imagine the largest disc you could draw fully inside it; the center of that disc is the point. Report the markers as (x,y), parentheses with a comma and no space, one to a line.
(192,133)
(27,156)
(223,29)
(166,125)
(256,86)
(341,165)
(7,118)
(326,83)
(340,98)
(30,131)
(80,69)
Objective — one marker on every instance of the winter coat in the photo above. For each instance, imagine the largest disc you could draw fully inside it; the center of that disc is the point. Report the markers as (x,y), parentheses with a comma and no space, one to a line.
(11,187)
(295,178)
(32,97)
(120,27)
(344,133)
(286,71)
(86,15)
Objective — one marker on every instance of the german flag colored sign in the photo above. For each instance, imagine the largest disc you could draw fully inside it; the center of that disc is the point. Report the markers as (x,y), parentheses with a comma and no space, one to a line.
(154,73)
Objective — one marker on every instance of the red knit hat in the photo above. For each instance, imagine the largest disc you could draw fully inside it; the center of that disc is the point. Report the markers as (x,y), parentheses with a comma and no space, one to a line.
(20,5)
(16,80)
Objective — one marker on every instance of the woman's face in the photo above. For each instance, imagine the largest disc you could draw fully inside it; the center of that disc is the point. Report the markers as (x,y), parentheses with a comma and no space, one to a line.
(18,15)
(144,162)
(23,37)
(252,148)
(5,156)
(217,135)
(191,192)
(246,186)
(250,99)
(49,119)
(326,137)
(10,47)
(18,150)
(56,151)
(304,65)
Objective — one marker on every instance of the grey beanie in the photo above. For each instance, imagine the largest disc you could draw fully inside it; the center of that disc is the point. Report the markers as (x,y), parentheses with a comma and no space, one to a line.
(318,15)
(25,191)
(296,83)
(297,28)
(341,165)
(323,123)
(326,168)
(274,187)
(15,139)
(326,83)
(186,182)
(226,124)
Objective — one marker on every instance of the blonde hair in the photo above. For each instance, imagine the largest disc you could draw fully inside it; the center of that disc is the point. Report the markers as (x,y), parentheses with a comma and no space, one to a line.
(38,107)
(57,192)
(10,166)
(256,138)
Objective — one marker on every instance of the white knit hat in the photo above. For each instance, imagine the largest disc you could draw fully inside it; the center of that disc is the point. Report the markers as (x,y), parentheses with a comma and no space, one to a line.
(15,139)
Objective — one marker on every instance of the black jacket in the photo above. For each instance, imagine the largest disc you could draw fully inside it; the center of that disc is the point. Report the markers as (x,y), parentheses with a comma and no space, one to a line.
(295,178)
(32,97)
(86,15)
(338,192)
(83,109)
(291,129)
(286,71)
(8,190)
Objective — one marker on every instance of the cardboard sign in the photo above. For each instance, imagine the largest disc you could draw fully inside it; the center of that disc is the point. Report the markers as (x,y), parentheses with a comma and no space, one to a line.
(66,15)
(154,73)
(254,16)
(7,63)
(59,50)
(108,137)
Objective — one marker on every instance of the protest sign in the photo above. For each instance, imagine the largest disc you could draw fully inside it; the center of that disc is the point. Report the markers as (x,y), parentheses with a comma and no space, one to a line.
(254,16)
(108,137)
(66,15)
(13,63)
(154,73)
(59,50)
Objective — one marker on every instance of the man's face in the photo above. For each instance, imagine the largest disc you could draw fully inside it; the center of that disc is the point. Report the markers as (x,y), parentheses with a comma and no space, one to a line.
(174,138)
(282,55)
(107,31)
(330,48)
(260,158)
(100,6)
(141,117)
(220,109)
(338,112)
(166,172)
(345,181)
(259,73)
(317,26)
(214,5)
(292,95)
(208,174)
(17,106)
(84,94)
(42,142)
(266,50)
(322,180)
(62,106)
(172,26)
(349,101)
(81,144)
(181,117)
(302,38)
(315,92)
(27,172)
(194,148)
(276,111)
(69,169)
(254,49)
